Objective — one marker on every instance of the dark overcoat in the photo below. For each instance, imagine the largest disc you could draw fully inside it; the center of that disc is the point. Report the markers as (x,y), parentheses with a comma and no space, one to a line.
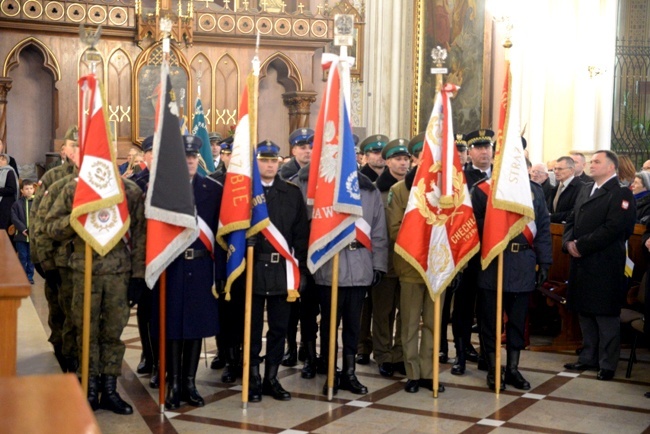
(192,309)
(600,224)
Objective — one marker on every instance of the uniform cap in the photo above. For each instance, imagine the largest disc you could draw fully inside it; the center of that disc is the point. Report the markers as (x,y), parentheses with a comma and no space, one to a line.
(226,145)
(480,138)
(461,142)
(147,144)
(214,136)
(416,143)
(72,134)
(267,149)
(373,143)
(301,136)
(192,144)
(395,148)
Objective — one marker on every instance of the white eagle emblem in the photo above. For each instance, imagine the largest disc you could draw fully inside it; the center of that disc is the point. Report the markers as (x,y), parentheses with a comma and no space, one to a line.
(328,162)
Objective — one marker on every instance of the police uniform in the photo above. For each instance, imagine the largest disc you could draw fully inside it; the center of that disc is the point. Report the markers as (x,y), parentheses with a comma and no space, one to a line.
(386,327)
(56,313)
(520,259)
(299,137)
(192,312)
(124,265)
(374,143)
(287,212)
(478,138)
(215,137)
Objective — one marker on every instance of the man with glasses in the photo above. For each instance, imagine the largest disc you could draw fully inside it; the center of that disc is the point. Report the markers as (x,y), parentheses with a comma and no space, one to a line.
(564,194)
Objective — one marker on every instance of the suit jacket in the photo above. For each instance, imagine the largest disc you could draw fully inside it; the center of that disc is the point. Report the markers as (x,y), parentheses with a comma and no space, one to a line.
(565,202)
(600,224)
(547,188)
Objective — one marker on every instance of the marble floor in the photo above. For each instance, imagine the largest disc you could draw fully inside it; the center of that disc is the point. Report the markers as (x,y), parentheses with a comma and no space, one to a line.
(559,401)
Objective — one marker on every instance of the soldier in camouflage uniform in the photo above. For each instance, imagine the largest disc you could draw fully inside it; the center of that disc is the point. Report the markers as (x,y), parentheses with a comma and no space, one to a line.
(121,268)
(64,350)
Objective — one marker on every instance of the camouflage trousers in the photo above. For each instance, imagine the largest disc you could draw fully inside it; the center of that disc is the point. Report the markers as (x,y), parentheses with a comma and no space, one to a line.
(69,329)
(109,314)
(55,316)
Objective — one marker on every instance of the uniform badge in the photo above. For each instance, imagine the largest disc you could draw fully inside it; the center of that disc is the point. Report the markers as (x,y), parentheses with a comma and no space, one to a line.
(390,197)
(625,204)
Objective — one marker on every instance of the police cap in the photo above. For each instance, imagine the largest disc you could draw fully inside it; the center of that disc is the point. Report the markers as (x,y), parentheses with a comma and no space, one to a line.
(395,148)
(416,143)
(226,145)
(374,143)
(192,145)
(267,149)
(147,144)
(301,136)
(480,138)
(461,142)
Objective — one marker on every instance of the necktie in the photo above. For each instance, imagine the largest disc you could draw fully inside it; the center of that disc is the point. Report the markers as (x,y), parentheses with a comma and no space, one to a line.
(557,196)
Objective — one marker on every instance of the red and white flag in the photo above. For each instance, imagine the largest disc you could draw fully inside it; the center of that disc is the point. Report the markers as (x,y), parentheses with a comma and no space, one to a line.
(509,208)
(169,207)
(439,234)
(100,215)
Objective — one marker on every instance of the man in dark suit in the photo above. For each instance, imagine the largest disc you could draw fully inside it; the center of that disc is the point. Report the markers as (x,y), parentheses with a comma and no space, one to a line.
(563,196)
(580,162)
(594,235)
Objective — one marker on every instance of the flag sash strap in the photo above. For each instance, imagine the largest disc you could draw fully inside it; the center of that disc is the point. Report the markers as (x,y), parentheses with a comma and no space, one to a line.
(206,236)
(363,235)
(280,244)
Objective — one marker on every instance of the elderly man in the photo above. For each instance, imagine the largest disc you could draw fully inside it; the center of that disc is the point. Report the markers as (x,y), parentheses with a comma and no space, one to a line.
(595,235)
(539,174)
(580,161)
(564,194)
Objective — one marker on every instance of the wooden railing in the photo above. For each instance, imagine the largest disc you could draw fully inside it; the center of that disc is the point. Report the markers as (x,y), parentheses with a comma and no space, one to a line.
(13,287)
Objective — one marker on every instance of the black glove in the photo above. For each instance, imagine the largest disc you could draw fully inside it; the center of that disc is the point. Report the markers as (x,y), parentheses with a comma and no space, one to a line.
(376,277)
(542,275)
(53,279)
(303,282)
(137,286)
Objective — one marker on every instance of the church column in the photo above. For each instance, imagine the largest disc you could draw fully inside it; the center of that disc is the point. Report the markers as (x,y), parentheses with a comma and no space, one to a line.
(299,104)
(5,87)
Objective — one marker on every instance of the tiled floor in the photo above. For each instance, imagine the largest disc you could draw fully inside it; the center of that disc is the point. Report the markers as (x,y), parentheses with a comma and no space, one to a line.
(558,401)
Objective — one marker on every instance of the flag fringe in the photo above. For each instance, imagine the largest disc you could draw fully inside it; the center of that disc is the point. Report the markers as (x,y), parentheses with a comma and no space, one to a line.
(233,276)
(257,227)
(164,259)
(102,250)
(513,231)
(172,218)
(228,229)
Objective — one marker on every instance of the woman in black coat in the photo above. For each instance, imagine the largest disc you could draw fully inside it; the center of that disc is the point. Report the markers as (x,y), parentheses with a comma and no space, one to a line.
(641,190)
(8,191)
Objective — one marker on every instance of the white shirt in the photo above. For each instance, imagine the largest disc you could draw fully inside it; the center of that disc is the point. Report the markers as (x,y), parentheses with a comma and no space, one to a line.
(596,186)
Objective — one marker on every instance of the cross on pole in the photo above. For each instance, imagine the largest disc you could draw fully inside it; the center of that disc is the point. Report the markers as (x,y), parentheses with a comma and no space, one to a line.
(301,7)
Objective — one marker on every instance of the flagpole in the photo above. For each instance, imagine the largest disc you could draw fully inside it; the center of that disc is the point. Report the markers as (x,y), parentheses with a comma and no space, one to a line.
(85,346)
(436,343)
(248,306)
(331,363)
(499,316)
(162,337)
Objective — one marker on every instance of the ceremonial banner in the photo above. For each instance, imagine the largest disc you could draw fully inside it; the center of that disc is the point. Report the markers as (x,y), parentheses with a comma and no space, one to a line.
(235,223)
(199,129)
(333,187)
(169,207)
(510,203)
(100,215)
(439,234)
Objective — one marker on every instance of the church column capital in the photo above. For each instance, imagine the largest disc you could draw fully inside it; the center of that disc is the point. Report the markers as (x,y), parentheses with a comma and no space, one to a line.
(5,87)
(299,105)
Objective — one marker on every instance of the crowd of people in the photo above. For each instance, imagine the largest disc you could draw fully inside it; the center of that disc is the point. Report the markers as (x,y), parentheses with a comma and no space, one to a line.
(384,304)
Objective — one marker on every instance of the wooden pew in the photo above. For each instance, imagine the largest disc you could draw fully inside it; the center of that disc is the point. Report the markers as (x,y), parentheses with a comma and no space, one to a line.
(13,287)
(570,336)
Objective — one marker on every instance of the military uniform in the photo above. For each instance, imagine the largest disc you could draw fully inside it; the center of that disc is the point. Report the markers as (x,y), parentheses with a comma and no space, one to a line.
(373,143)
(112,274)
(287,212)
(520,259)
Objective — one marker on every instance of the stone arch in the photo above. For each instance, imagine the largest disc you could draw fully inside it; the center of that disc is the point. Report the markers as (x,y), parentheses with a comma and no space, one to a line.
(50,63)
(288,73)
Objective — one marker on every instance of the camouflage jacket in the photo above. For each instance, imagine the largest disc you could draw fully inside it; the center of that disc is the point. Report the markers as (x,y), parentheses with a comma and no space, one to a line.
(50,177)
(122,258)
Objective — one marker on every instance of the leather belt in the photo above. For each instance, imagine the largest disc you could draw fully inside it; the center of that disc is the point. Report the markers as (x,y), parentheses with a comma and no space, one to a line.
(273,258)
(190,254)
(354,245)
(518,247)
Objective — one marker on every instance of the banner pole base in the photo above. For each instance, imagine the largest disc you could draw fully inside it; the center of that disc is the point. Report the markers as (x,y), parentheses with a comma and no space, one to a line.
(330,393)
(244,405)
(162,408)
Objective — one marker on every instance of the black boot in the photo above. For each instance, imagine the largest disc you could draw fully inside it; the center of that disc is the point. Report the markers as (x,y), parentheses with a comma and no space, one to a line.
(271,385)
(191,355)
(111,400)
(145,366)
(174,354)
(349,379)
(290,358)
(336,385)
(309,369)
(302,352)
(513,376)
(255,385)
(229,374)
(459,366)
(154,381)
(219,360)
(491,379)
(93,392)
